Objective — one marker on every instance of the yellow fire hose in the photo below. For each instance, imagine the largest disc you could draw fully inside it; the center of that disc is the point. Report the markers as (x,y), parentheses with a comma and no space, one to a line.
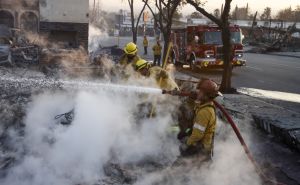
(160,79)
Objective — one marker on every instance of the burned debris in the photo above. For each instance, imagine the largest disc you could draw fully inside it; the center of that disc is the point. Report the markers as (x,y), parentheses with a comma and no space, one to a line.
(14,50)
(265,39)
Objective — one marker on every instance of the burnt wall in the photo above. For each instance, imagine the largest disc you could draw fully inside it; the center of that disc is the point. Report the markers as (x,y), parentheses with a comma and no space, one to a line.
(78,31)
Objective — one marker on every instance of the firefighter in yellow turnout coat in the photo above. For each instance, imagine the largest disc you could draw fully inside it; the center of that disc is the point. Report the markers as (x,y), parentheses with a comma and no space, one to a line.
(203,130)
(157,53)
(162,79)
(161,76)
(145,43)
(130,56)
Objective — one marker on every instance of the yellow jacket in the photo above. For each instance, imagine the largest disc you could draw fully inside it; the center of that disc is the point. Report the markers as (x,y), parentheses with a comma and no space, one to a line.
(204,126)
(157,49)
(163,79)
(125,60)
(145,42)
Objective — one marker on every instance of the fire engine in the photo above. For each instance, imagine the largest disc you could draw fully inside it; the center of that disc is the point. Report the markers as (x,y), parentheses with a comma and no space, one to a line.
(201,46)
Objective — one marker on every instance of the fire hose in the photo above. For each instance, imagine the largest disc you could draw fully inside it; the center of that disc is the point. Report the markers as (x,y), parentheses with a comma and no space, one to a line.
(193,95)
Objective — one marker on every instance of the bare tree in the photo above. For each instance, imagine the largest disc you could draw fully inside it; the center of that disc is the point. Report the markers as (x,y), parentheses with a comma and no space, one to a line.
(223,23)
(135,25)
(164,18)
(285,14)
(95,12)
(266,15)
(240,13)
(252,27)
(297,14)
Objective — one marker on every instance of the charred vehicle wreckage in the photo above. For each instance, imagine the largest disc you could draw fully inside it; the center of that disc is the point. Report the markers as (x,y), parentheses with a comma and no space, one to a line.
(15,50)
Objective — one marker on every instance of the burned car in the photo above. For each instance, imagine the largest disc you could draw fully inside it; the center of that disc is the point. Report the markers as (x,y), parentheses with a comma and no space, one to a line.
(5,44)
(14,51)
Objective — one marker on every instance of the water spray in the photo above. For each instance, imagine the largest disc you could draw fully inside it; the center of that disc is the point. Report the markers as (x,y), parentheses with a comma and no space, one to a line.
(31,83)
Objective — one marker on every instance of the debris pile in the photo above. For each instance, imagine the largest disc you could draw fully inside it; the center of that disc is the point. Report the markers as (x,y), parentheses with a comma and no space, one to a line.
(28,54)
(27,50)
(15,49)
(269,39)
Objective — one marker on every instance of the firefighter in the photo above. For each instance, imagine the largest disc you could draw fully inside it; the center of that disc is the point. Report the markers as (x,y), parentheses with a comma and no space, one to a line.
(161,76)
(163,80)
(200,142)
(130,56)
(157,53)
(186,112)
(145,43)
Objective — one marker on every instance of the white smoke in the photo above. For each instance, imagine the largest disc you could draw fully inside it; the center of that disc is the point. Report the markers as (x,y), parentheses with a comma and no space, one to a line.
(229,167)
(104,129)
(103,122)
(96,37)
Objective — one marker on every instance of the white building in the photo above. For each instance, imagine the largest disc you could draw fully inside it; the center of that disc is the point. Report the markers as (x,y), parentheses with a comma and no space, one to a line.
(65,21)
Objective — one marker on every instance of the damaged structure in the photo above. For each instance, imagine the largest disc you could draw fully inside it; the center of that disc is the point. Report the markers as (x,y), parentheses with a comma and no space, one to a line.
(65,25)
(272,35)
(22,15)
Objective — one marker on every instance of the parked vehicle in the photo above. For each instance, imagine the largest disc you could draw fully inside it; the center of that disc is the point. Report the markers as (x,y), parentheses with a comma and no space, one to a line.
(201,46)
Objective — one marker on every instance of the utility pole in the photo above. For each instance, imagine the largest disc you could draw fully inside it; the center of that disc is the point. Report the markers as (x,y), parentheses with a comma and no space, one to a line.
(93,12)
(120,16)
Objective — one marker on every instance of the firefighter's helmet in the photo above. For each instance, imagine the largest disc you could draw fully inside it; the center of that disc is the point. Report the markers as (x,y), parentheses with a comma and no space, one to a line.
(140,64)
(208,87)
(130,48)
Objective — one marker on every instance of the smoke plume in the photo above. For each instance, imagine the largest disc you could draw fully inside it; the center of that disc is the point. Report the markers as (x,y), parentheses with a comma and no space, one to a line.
(96,36)
(103,123)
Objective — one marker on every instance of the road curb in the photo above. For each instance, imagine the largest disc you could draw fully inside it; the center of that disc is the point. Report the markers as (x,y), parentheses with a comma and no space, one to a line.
(290,136)
(273,119)
(282,55)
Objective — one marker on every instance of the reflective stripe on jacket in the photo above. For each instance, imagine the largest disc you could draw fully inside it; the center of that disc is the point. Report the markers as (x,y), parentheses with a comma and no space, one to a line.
(204,126)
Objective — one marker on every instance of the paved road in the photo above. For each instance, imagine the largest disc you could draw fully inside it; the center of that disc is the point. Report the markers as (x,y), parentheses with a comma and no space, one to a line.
(269,72)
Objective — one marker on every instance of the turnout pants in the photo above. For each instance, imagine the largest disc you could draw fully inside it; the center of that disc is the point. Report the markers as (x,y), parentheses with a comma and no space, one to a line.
(157,60)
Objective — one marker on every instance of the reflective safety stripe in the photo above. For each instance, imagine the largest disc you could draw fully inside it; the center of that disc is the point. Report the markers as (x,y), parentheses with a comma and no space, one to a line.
(199,127)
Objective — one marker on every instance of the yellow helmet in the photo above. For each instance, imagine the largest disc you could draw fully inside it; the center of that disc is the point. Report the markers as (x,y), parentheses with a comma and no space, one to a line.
(140,64)
(130,48)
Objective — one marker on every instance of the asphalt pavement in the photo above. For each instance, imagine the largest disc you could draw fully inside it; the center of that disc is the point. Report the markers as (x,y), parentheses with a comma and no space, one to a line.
(269,72)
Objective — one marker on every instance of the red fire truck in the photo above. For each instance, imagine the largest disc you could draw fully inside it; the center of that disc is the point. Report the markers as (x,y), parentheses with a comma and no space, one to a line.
(201,46)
